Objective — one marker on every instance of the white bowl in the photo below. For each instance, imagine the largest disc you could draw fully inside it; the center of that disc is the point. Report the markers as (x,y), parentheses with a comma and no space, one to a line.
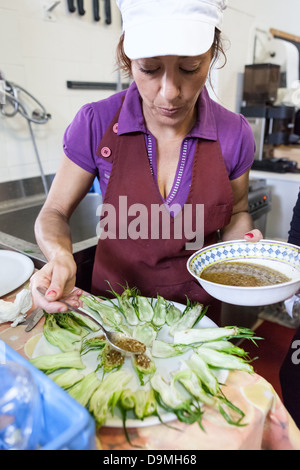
(283,257)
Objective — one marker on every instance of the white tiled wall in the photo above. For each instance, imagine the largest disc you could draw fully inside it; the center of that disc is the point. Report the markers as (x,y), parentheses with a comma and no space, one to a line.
(242,19)
(42,55)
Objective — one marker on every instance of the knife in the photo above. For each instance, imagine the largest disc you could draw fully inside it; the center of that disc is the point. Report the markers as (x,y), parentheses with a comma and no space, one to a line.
(80,6)
(71,6)
(107,12)
(96,10)
(32,319)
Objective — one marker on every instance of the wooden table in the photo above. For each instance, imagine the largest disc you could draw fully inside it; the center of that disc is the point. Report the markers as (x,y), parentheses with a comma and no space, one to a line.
(268,424)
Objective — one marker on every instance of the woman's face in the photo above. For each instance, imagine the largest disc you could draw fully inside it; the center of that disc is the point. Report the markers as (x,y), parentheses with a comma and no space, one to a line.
(170,86)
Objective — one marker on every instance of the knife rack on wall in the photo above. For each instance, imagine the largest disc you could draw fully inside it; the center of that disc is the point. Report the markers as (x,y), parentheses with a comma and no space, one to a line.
(94,85)
(96,9)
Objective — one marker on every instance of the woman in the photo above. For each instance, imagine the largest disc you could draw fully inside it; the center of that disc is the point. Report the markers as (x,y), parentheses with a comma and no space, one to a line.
(173,165)
(290,369)
(294,233)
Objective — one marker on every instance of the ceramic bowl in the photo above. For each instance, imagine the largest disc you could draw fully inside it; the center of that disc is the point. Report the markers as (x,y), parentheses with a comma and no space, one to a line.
(283,257)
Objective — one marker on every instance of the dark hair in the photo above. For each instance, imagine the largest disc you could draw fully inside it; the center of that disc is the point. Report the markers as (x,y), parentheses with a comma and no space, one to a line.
(124,63)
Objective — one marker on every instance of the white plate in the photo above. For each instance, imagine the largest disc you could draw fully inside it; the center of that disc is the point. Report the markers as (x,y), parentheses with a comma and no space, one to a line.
(164,366)
(15,269)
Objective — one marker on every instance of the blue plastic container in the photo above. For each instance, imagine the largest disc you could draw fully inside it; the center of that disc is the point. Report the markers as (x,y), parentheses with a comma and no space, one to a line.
(64,423)
(20,408)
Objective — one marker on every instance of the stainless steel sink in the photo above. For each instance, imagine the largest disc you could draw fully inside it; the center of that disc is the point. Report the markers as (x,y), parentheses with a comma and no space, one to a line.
(19,222)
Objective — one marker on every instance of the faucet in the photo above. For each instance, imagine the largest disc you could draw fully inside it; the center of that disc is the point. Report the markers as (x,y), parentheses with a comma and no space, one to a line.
(11,94)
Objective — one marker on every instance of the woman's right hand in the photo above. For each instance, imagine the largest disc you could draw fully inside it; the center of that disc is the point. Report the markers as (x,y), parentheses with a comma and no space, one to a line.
(53,236)
(58,277)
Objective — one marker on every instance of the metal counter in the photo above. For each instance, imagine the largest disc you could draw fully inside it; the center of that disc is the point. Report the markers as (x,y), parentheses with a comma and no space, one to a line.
(19,208)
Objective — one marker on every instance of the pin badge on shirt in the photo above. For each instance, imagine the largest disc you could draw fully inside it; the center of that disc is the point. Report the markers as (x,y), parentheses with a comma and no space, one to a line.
(105,152)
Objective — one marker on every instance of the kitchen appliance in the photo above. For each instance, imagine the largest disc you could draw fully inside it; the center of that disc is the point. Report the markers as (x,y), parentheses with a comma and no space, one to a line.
(276,165)
(261,82)
(259,202)
(271,125)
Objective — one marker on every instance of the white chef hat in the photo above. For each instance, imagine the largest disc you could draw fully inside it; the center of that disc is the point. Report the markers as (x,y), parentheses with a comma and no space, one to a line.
(169,27)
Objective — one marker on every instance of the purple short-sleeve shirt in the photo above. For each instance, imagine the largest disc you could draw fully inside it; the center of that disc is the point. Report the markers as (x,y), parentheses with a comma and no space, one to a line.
(214,122)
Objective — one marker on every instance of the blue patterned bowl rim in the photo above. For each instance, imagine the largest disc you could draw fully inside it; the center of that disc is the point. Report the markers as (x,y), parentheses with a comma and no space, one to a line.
(237,249)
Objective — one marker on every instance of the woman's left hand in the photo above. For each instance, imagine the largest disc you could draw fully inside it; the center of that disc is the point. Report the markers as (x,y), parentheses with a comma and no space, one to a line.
(253,236)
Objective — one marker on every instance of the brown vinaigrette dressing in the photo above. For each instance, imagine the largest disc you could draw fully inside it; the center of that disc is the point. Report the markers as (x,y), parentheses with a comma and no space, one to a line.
(242,274)
(114,357)
(142,360)
(130,345)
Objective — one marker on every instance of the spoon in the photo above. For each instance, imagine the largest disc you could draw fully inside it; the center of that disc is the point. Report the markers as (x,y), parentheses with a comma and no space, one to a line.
(117,340)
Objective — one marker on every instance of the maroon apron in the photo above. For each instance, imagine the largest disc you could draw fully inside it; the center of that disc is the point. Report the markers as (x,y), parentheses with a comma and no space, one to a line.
(155,264)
